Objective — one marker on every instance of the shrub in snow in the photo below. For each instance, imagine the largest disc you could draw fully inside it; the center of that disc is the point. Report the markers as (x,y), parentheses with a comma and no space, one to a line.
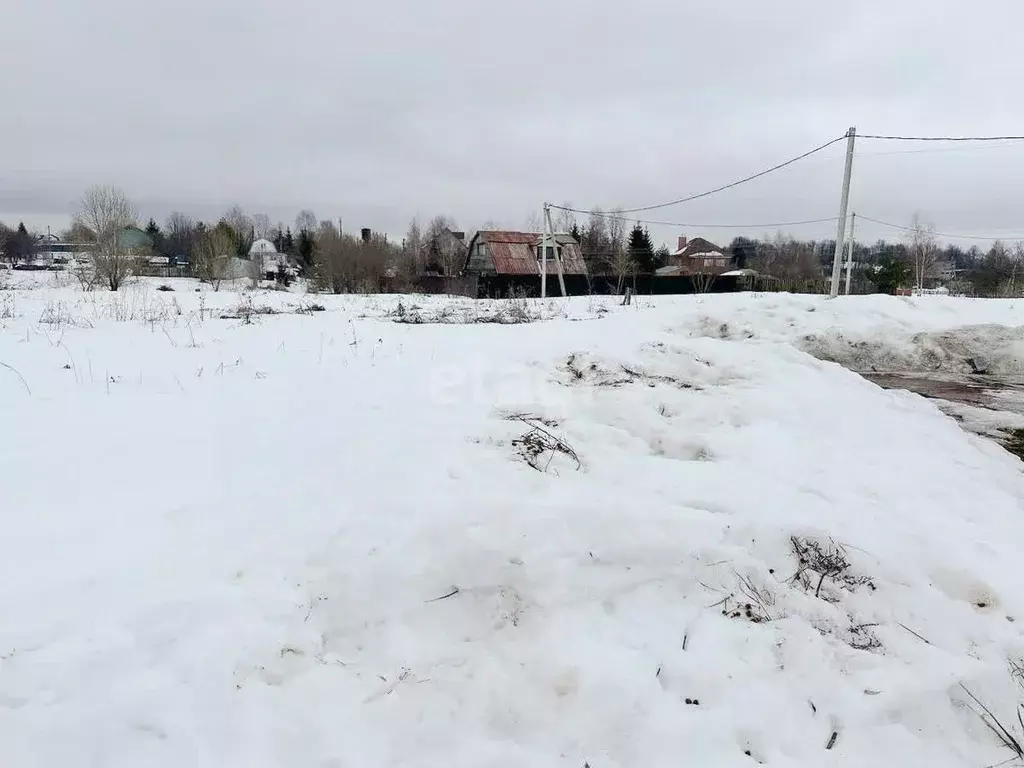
(246,311)
(539,447)
(502,312)
(818,562)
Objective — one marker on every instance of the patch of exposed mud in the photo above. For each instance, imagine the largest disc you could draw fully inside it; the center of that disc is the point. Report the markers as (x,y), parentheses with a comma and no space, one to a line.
(1014,443)
(987,350)
(979,391)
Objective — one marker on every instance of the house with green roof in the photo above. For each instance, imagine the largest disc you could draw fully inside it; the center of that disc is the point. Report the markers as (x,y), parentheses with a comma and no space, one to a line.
(135,240)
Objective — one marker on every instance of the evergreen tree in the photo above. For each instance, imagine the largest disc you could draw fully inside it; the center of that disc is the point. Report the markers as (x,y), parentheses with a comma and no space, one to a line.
(19,245)
(576,232)
(890,274)
(661,256)
(641,249)
(740,255)
(279,241)
(241,237)
(306,250)
(156,237)
(288,243)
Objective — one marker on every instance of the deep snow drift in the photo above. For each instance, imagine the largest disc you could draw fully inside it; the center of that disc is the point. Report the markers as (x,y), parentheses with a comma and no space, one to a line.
(330,539)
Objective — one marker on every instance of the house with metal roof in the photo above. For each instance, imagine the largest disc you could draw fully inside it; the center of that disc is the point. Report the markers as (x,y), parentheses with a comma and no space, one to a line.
(696,256)
(134,240)
(519,253)
(51,250)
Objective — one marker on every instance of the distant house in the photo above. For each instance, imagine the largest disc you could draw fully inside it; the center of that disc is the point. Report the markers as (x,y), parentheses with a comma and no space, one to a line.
(135,240)
(519,253)
(50,249)
(262,247)
(696,256)
(140,247)
(268,261)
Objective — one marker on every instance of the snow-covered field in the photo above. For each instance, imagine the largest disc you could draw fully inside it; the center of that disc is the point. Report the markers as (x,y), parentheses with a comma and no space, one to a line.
(324,538)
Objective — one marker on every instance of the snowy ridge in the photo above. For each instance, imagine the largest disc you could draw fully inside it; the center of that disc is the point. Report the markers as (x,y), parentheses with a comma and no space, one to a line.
(313,539)
(996,349)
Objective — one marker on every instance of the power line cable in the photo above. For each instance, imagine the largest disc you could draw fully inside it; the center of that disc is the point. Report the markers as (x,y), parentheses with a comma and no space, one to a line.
(942,150)
(939,138)
(630,219)
(940,234)
(716,190)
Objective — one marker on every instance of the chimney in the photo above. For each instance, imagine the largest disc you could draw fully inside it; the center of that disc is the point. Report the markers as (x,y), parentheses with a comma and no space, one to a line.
(682,242)
(365,233)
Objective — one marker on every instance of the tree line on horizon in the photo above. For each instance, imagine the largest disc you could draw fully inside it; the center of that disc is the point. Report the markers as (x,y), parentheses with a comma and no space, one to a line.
(337,261)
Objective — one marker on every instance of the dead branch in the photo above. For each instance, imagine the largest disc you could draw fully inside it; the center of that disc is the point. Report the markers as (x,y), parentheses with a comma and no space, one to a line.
(454,592)
(18,374)
(995,725)
(919,637)
(538,442)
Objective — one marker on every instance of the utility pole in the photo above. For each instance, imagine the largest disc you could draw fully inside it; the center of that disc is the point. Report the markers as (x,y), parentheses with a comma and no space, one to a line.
(844,203)
(554,247)
(849,252)
(544,261)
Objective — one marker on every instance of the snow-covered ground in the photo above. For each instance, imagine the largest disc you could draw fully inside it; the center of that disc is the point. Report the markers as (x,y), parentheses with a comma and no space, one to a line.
(324,538)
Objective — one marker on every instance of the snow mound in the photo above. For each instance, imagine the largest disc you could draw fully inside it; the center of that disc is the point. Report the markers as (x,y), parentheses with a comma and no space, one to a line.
(993,349)
(317,540)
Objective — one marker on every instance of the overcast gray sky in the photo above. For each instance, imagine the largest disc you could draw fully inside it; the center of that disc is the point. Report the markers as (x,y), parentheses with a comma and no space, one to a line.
(381,110)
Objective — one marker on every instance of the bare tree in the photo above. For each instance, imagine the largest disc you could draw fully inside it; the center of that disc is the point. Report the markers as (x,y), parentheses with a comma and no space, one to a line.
(413,262)
(563,220)
(924,249)
(346,264)
(534,222)
(106,212)
(261,226)
(179,234)
(703,281)
(1015,257)
(305,221)
(212,254)
(238,219)
(785,258)
(995,272)
(77,233)
(622,267)
(594,245)
(443,248)
(617,228)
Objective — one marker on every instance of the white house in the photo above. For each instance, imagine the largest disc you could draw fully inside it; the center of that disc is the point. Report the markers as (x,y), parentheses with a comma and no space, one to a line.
(265,255)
